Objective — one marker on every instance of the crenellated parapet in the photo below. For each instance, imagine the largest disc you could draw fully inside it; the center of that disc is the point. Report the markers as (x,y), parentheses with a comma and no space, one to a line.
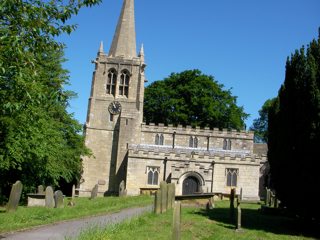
(198,131)
(188,155)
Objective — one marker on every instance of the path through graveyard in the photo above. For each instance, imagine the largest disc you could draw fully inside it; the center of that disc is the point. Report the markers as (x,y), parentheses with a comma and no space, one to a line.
(71,229)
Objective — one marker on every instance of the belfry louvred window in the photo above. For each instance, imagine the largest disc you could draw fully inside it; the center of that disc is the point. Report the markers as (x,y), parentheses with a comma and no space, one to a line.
(111,82)
(193,142)
(124,83)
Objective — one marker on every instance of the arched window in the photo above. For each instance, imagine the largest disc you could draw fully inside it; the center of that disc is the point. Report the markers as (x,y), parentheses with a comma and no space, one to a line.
(226,144)
(193,142)
(232,175)
(124,83)
(159,139)
(153,175)
(111,82)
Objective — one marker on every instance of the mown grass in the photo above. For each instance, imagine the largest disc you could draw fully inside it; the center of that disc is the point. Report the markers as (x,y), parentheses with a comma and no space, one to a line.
(213,224)
(27,217)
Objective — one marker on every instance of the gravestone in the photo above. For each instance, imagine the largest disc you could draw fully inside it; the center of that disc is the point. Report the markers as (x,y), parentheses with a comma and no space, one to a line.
(238,228)
(40,189)
(232,194)
(49,201)
(176,228)
(157,202)
(73,191)
(94,192)
(164,196)
(15,196)
(122,189)
(58,199)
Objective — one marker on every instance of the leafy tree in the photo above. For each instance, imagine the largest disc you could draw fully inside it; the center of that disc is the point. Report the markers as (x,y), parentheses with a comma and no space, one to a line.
(260,125)
(294,133)
(39,140)
(191,97)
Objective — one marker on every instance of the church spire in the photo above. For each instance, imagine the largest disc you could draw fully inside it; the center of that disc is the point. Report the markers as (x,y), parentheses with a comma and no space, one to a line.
(124,40)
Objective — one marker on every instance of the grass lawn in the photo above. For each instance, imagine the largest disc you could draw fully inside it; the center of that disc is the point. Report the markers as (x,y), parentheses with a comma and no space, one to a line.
(215,224)
(26,217)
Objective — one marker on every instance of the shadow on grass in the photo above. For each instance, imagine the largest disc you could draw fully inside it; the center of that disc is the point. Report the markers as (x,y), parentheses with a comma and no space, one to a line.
(255,220)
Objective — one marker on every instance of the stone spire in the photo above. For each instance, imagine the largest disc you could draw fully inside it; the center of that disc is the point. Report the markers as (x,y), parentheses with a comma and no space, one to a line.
(100,48)
(124,40)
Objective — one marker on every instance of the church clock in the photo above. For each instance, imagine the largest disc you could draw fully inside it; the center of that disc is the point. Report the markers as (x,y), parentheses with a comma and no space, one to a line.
(114,107)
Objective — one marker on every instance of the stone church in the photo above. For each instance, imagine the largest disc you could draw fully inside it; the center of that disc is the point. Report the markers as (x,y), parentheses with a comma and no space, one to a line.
(126,149)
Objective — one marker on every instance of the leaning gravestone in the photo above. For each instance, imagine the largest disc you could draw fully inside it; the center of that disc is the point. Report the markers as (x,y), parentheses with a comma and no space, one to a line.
(94,192)
(122,189)
(15,196)
(40,189)
(49,201)
(58,199)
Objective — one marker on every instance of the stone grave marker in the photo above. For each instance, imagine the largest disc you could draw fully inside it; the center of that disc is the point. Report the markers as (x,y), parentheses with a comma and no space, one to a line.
(122,189)
(94,192)
(40,189)
(15,196)
(58,199)
(164,196)
(176,228)
(49,202)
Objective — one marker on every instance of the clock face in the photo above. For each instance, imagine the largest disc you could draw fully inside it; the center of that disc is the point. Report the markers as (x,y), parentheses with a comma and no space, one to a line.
(114,107)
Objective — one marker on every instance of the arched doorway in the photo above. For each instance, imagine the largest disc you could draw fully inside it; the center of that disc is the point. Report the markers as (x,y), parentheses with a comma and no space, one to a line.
(190,186)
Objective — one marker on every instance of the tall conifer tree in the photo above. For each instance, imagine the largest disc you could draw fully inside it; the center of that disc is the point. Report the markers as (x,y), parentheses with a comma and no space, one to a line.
(294,132)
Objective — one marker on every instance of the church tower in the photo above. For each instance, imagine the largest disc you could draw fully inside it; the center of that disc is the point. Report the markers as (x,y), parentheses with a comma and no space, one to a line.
(115,108)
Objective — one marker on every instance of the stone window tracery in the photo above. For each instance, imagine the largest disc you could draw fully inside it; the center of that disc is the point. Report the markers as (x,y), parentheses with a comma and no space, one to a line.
(232,176)
(124,83)
(153,175)
(111,82)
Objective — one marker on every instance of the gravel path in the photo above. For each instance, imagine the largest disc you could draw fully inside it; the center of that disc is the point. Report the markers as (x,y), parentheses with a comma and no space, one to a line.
(72,229)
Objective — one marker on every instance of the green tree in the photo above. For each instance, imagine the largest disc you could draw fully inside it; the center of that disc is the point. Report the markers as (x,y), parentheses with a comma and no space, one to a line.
(193,98)
(260,125)
(294,133)
(40,142)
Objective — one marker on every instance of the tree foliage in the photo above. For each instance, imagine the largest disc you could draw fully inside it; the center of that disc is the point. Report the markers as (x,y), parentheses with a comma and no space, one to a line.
(260,125)
(192,98)
(294,133)
(39,140)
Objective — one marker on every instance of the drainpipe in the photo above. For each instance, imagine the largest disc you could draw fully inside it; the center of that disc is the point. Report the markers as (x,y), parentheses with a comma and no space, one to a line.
(212,164)
(173,139)
(165,168)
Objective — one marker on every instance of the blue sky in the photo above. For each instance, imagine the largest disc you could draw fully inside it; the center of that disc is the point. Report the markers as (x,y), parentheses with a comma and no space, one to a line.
(242,43)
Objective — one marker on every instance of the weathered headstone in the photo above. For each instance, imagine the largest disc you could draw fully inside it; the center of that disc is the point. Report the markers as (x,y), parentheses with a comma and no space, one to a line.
(49,197)
(58,199)
(73,194)
(176,229)
(164,196)
(122,189)
(239,218)
(157,202)
(15,196)
(170,195)
(94,192)
(232,194)
(40,189)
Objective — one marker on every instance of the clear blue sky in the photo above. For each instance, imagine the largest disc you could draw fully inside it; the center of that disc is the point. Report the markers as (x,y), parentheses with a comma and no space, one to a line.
(242,43)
